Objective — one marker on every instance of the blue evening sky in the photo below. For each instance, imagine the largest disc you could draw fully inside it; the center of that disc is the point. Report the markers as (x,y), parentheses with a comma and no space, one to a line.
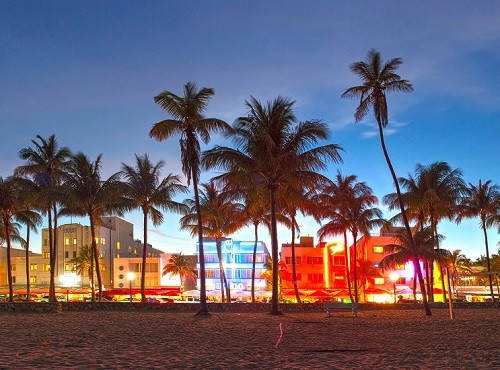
(87,71)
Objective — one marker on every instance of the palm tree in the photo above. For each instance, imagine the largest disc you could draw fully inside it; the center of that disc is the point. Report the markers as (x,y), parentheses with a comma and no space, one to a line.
(221,216)
(482,201)
(367,274)
(83,262)
(178,264)
(255,212)
(189,122)
(273,151)
(348,205)
(12,208)
(459,264)
(432,193)
(87,195)
(46,163)
(145,190)
(378,78)
(31,220)
(401,251)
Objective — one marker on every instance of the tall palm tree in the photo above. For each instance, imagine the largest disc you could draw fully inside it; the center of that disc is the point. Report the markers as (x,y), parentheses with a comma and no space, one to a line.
(378,78)
(145,189)
(86,194)
(222,216)
(431,194)
(189,122)
(178,264)
(273,151)
(12,208)
(348,205)
(46,164)
(483,201)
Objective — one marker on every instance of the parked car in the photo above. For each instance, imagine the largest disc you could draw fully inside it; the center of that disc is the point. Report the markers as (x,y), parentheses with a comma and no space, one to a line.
(59,298)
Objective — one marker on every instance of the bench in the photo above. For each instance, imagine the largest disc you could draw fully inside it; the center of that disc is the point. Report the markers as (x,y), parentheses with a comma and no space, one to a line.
(341,306)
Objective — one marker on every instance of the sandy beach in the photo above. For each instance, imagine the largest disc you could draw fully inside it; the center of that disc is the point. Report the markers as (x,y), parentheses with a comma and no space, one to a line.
(389,339)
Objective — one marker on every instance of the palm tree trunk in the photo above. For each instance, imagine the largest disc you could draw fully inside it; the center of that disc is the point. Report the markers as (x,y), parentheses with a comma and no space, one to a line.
(347,269)
(28,289)
(490,277)
(440,261)
(96,259)
(416,262)
(222,276)
(6,223)
(144,253)
(203,311)
(355,235)
(294,266)
(253,260)
(274,252)
(52,256)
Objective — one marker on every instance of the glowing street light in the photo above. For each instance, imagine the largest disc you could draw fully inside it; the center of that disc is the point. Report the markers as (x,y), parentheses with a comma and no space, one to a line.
(394,276)
(130,277)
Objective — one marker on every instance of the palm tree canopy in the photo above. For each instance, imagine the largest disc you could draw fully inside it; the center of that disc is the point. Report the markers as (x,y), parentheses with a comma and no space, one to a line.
(88,195)
(221,214)
(377,78)
(145,189)
(46,160)
(431,193)
(482,200)
(401,250)
(189,122)
(181,265)
(272,149)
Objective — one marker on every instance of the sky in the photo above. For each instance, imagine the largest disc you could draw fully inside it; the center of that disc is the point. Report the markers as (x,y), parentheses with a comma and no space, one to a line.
(87,71)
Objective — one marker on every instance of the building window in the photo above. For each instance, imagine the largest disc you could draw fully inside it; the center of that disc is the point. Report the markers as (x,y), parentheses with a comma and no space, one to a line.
(74,254)
(46,267)
(33,280)
(118,245)
(45,242)
(151,267)
(401,281)
(74,267)
(74,241)
(46,255)
(13,267)
(66,267)
(66,241)
(339,260)
(135,267)
(33,267)
(66,254)
(135,251)
(210,274)
(379,281)
(13,279)
(298,260)
(103,241)
(103,253)
(315,260)
(378,249)
(315,278)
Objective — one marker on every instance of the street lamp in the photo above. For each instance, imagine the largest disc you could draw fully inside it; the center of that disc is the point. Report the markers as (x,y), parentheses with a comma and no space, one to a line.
(130,277)
(394,277)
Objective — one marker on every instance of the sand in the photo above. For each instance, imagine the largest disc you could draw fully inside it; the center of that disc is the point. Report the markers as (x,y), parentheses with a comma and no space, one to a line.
(375,339)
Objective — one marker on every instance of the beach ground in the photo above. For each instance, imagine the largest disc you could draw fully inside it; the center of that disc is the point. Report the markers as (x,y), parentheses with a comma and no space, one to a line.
(375,339)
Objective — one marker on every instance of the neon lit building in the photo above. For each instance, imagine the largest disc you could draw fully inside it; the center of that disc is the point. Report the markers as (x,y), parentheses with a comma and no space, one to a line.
(237,260)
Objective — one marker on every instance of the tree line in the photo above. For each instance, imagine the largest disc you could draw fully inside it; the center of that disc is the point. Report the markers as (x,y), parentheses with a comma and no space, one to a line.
(273,171)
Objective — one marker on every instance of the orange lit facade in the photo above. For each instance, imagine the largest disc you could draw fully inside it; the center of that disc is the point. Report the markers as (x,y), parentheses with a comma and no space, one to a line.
(324,266)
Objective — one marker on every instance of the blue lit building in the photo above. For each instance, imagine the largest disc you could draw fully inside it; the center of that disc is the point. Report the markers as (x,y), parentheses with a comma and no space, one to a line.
(237,258)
